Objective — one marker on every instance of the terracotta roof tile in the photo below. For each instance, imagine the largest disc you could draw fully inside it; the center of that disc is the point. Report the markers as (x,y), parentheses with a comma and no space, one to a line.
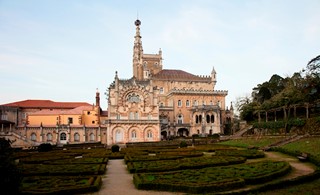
(46,104)
(75,111)
(178,75)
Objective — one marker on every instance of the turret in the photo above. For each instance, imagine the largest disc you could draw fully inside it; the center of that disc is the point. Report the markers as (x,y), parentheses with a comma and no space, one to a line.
(214,77)
(137,52)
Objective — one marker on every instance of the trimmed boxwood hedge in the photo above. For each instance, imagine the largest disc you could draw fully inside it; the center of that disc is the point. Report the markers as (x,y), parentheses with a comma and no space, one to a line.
(250,154)
(181,164)
(212,179)
(82,160)
(60,184)
(66,169)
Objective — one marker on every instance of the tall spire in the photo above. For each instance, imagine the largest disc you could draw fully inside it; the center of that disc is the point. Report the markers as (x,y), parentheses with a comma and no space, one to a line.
(137,52)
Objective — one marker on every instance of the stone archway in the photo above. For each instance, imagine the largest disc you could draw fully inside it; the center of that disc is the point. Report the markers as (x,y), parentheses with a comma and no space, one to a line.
(183,132)
(63,138)
(118,136)
(164,135)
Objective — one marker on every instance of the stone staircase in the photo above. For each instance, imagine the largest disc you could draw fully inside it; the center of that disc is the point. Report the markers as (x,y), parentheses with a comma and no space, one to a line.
(241,132)
(18,141)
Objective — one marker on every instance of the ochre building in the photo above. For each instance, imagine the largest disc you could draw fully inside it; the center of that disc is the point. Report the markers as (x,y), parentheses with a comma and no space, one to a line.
(154,104)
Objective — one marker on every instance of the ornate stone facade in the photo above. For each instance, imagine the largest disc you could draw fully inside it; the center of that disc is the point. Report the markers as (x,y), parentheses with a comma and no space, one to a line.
(157,103)
(154,104)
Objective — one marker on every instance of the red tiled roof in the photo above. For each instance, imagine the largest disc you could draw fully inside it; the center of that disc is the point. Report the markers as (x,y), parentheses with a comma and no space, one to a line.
(178,75)
(75,111)
(46,104)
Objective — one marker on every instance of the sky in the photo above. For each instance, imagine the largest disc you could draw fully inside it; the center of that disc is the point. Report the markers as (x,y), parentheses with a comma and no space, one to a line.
(65,50)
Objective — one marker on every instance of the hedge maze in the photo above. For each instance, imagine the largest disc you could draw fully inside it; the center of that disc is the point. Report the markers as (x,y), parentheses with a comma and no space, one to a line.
(194,170)
(70,171)
(203,169)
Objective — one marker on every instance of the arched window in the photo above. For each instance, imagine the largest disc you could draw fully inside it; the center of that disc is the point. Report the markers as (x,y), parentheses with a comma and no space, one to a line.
(92,137)
(33,137)
(200,118)
(161,90)
(211,103)
(131,115)
(198,131)
(208,118)
(136,115)
(212,118)
(63,136)
(195,103)
(76,137)
(133,134)
(49,137)
(161,104)
(197,119)
(180,119)
(187,103)
(179,103)
(149,134)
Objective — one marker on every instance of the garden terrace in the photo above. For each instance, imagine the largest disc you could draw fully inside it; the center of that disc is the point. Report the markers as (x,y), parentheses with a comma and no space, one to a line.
(212,179)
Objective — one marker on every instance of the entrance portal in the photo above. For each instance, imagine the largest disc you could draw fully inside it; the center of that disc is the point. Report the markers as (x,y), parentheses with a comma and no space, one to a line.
(63,138)
(119,136)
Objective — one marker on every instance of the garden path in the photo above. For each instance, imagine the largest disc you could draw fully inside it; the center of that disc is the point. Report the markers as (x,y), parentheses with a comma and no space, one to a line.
(118,181)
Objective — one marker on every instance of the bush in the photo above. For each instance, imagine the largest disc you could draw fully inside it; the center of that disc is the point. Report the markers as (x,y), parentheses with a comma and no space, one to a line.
(183,144)
(215,136)
(115,148)
(45,147)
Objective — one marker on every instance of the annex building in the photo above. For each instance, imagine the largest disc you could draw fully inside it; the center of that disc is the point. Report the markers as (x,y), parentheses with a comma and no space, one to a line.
(154,104)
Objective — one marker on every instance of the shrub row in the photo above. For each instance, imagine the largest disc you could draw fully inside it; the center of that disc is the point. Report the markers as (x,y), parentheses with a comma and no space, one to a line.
(66,169)
(280,124)
(181,164)
(60,184)
(82,160)
(250,154)
(211,179)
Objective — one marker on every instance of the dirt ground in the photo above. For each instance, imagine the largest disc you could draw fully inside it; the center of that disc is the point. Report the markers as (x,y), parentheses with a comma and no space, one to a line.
(118,181)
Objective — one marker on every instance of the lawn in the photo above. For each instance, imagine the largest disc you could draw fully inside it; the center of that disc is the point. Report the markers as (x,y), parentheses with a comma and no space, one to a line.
(255,142)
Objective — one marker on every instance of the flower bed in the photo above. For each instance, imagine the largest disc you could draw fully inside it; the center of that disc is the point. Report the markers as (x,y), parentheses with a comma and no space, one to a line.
(60,184)
(180,164)
(64,169)
(134,158)
(250,154)
(82,160)
(211,179)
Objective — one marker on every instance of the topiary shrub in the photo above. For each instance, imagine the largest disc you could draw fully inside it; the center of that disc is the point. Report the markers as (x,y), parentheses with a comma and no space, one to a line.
(45,147)
(215,136)
(115,148)
(183,144)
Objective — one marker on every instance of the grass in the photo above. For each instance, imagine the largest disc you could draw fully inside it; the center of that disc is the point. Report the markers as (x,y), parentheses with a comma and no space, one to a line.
(304,188)
(247,142)
(309,145)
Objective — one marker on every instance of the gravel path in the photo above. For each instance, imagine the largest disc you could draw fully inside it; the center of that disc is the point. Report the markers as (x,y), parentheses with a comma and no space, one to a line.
(118,181)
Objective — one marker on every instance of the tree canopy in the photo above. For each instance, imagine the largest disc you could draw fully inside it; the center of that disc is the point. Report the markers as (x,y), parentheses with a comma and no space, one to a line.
(301,87)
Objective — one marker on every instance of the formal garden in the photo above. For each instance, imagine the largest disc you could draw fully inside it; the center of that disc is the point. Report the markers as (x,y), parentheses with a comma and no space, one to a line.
(233,166)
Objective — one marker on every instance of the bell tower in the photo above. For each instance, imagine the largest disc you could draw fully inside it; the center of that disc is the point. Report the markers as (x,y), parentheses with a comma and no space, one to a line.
(137,53)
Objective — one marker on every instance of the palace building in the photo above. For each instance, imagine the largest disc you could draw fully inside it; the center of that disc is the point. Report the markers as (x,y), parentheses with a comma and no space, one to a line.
(154,104)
